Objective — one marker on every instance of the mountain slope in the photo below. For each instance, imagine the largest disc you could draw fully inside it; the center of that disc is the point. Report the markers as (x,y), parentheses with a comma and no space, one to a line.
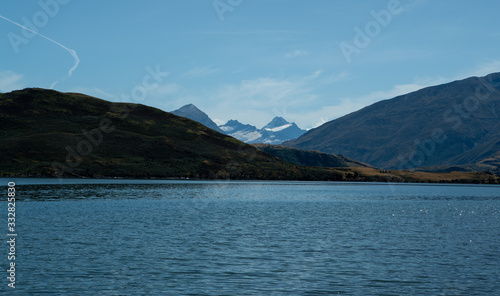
(451,124)
(279,130)
(308,157)
(243,132)
(192,112)
(489,164)
(49,133)
(277,122)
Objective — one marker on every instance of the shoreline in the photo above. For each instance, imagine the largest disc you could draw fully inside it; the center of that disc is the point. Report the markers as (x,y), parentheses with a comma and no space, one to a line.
(353,175)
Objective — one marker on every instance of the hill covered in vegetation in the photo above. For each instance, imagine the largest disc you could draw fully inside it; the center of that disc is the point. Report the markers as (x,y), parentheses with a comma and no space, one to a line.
(47,133)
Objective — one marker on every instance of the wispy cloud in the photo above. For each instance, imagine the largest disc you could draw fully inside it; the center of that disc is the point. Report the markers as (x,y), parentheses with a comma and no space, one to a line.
(264,89)
(291,97)
(248,32)
(200,71)
(263,92)
(485,68)
(257,100)
(351,104)
(296,53)
(10,81)
(164,89)
(161,91)
(348,105)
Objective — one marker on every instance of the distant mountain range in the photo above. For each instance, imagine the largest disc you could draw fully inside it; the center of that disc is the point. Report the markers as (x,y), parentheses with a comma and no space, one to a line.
(275,132)
(454,126)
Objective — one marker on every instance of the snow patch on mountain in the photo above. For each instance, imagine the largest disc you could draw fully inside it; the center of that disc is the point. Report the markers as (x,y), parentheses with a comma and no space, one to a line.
(247,137)
(226,129)
(279,128)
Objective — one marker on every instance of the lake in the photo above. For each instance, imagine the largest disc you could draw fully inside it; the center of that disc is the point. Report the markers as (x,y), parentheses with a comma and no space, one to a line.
(126,237)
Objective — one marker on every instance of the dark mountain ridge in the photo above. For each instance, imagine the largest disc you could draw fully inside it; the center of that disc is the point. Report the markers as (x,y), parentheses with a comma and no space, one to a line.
(192,112)
(456,123)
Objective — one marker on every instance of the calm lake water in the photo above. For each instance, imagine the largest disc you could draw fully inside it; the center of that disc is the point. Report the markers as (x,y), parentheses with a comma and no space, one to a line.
(253,238)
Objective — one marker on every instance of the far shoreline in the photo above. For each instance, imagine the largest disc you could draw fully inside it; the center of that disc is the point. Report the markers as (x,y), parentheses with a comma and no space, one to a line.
(152,180)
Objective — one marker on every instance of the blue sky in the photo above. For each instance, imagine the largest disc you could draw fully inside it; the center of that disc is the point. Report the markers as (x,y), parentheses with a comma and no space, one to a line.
(251,60)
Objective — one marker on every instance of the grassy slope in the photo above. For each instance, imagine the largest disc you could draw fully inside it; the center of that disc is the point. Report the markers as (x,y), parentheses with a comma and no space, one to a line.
(425,177)
(39,127)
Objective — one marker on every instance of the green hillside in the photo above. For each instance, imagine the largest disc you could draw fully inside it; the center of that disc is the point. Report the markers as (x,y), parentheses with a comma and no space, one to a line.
(49,133)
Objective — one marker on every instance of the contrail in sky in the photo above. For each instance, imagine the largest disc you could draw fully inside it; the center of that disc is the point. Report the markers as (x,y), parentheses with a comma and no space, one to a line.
(71,51)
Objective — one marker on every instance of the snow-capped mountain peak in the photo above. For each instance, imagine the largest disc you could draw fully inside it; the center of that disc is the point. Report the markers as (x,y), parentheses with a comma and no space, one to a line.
(276,122)
(275,132)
